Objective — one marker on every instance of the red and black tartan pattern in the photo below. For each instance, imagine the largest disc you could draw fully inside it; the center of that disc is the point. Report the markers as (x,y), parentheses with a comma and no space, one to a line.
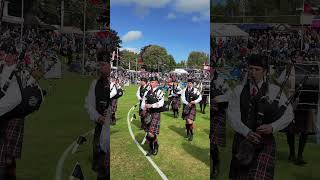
(192,114)
(114,105)
(175,103)
(262,167)
(154,127)
(218,135)
(204,99)
(11,140)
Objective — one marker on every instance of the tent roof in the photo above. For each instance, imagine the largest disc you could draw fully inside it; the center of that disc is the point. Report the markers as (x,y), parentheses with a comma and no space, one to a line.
(69,29)
(226,30)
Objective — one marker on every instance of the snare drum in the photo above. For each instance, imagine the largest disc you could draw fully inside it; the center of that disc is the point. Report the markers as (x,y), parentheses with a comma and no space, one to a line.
(309,95)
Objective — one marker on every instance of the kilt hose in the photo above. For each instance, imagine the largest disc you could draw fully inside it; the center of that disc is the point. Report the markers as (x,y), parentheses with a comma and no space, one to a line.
(100,159)
(11,139)
(218,134)
(114,105)
(263,164)
(154,127)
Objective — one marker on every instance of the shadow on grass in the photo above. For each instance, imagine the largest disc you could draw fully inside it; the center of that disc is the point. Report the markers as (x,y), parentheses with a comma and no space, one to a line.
(282,155)
(207,131)
(136,122)
(113,131)
(178,130)
(305,176)
(201,154)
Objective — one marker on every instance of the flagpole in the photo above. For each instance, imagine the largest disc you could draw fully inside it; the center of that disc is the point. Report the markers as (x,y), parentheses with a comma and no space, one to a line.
(136,69)
(301,22)
(22,22)
(84,35)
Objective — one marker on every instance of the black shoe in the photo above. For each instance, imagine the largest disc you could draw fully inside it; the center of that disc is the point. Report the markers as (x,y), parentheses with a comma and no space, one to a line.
(190,137)
(300,162)
(292,158)
(156,149)
(187,136)
(149,153)
(215,173)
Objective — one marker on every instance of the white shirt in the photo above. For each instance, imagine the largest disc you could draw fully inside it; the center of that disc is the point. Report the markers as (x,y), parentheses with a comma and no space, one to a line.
(234,114)
(195,91)
(90,105)
(138,92)
(159,104)
(12,97)
(90,102)
(113,90)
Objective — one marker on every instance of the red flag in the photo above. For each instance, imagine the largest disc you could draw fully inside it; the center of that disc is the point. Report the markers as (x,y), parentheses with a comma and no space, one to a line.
(307,8)
(139,60)
(95,2)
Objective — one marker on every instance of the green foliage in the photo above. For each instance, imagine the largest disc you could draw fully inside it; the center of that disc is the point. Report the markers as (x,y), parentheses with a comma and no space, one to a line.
(196,59)
(156,57)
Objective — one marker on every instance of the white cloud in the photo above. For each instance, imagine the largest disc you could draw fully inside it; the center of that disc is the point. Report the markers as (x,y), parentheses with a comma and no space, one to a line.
(171,16)
(135,50)
(199,7)
(132,36)
(144,3)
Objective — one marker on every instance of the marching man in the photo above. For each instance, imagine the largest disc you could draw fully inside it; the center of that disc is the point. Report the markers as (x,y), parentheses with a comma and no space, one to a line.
(190,96)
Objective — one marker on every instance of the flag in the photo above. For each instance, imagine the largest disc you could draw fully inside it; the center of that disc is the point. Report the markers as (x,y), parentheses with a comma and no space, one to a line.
(95,2)
(139,60)
(77,172)
(307,8)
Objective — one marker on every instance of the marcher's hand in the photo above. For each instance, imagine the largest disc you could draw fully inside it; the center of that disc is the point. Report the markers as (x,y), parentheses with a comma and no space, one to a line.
(192,102)
(148,106)
(253,137)
(101,120)
(265,129)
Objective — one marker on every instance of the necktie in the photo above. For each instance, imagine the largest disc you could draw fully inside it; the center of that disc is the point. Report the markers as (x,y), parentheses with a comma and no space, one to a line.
(254,91)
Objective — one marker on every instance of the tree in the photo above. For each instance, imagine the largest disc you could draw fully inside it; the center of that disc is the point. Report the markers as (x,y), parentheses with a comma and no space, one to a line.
(128,57)
(197,59)
(156,58)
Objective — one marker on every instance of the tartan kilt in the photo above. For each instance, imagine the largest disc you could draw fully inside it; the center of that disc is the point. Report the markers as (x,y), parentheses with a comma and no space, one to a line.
(192,114)
(263,164)
(114,105)
(11,139)
(304,122)
(154,127)
(204,99)
(218,134)
(175,103)
(99,160)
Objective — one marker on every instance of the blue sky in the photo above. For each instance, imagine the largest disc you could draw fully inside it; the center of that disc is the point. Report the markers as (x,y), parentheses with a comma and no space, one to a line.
(178,25)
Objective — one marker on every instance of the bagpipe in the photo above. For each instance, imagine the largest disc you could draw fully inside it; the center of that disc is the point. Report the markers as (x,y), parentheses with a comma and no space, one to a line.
(31,93)
(119,94)
(219,99)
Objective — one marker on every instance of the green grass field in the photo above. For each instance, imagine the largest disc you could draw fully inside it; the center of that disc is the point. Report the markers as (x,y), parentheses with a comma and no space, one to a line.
(177,157)
(48,132)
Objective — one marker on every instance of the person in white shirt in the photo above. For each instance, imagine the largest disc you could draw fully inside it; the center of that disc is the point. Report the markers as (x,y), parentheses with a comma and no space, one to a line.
(98,106)
(114,101)
(143,88)
(190,96)
(152,102)
(253,123)
(174,95)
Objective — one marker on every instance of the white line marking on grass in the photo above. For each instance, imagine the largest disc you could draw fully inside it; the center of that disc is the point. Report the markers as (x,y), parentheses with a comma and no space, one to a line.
(163,176)
(63,157)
